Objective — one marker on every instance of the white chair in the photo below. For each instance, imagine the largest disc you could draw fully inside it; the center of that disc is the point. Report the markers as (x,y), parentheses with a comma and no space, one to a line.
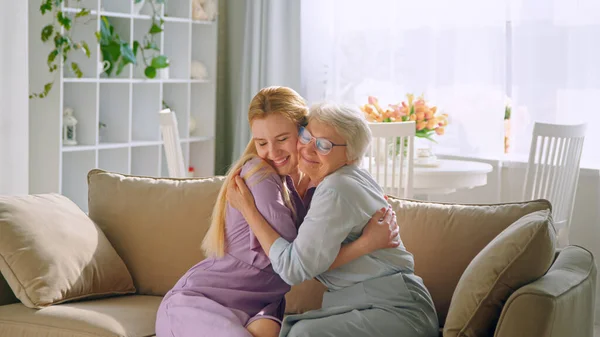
(170,136)
(553,170)
(394,173)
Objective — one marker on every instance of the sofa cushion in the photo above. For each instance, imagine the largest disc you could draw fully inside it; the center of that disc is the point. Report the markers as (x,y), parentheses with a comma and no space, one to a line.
(445,237)
(51,252)
(521,254)
(123,316)
(155,224)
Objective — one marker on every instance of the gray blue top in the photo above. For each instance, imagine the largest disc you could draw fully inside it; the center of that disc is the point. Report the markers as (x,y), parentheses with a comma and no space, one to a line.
(341,206)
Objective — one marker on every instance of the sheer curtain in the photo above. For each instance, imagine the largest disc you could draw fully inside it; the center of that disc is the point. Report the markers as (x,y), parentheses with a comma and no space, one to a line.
(466,56)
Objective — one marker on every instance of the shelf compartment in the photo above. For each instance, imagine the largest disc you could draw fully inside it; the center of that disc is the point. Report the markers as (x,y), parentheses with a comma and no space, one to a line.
(177,49)
(178,9)
(203,98)
(145,160)
(75,168)
(82,99)
(204,43)
(122,27)
(117,6)
(83,31)
(164,168)
(146,106)
(202,158)
(140,29)
(114,160)
(176,97)
(114,113)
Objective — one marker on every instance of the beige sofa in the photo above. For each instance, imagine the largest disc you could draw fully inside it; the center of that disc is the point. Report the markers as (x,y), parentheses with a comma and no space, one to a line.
(148,233)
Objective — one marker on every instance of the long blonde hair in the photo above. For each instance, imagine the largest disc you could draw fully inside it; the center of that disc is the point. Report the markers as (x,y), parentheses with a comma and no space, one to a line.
(270,100)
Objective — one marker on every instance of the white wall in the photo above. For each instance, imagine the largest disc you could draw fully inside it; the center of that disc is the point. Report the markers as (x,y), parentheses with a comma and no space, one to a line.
(14,101)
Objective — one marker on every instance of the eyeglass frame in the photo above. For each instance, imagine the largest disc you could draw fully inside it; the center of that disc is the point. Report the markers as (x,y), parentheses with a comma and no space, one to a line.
(317,139)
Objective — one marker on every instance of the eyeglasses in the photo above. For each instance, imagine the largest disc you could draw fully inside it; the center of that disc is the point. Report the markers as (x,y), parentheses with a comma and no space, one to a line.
(322,145)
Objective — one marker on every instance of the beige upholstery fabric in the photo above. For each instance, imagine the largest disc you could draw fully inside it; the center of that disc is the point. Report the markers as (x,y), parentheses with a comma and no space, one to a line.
(444,238)
(155,224)
(127,316)
(561,303)
(51,252)
(519,255)
(305,296)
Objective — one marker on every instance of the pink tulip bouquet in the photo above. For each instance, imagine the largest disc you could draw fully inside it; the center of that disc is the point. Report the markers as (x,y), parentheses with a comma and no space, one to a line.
(428,121)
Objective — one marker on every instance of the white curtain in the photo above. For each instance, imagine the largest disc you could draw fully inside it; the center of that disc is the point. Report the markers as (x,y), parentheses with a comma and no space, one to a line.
(14,91)
(467,57)
(269,55)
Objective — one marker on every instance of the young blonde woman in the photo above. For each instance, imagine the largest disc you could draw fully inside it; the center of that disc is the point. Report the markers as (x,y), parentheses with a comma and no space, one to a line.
(235,292)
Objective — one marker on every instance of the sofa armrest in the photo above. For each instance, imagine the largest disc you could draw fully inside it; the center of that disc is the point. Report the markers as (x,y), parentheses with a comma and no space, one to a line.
(561,303)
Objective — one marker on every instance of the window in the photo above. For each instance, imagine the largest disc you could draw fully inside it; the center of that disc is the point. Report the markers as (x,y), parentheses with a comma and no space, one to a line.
(466,56)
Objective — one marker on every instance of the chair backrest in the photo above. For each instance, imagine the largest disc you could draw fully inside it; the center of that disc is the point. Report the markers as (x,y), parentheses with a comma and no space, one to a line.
(553,168)
(391,157)
(171,142)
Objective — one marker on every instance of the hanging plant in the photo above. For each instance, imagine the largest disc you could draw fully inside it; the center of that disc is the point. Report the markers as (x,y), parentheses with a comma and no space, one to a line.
(63,43)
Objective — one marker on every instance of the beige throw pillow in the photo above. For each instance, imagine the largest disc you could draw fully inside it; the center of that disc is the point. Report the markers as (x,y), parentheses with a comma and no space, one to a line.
(519,255)
(155,224)
(445,237)
(51,252)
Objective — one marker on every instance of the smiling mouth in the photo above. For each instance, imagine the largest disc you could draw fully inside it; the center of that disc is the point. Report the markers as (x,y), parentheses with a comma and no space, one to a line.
(278,163)
(308,161)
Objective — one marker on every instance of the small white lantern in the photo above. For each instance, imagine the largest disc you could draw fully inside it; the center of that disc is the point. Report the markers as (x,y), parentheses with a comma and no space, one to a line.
(69,127)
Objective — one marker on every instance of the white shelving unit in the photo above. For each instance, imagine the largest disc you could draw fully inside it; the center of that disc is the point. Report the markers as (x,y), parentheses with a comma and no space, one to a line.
(128,103)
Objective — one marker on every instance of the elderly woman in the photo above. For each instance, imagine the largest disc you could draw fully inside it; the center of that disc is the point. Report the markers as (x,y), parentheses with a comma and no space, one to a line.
(377,294)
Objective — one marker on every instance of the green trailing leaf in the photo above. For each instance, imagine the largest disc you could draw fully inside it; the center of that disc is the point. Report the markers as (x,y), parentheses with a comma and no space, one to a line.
(155,29)
(47,32)
(76,69)
(127,53)
(86,48)
(46,6)
(51,58)
(150,72)
(136,46)
(64,20)
(160,62)
(82,13)
(137,1)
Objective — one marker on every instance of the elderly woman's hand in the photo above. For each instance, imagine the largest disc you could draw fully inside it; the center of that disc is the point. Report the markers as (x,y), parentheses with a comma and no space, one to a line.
(239,195)
(382,231)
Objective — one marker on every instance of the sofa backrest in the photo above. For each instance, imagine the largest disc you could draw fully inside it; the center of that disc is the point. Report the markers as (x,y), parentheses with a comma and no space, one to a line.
(156,225)
(444,238)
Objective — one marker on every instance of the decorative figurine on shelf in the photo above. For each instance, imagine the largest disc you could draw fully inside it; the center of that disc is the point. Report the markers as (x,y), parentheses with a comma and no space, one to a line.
(198,71)
(204,10)
(69,127)
(192,124)
(191,172)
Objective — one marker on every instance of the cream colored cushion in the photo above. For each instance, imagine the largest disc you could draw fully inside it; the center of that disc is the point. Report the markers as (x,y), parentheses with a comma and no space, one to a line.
(445,237)
(155,224)
(51,252)
(521,254)
(124,316)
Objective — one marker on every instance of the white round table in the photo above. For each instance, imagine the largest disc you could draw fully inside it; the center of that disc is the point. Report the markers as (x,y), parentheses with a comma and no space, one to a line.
(447,177)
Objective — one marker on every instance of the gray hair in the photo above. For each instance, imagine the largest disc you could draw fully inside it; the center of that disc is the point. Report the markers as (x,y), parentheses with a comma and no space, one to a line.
(348,122)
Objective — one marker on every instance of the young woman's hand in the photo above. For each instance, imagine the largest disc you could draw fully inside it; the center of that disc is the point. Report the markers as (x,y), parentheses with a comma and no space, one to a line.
(239,196)
(382,231)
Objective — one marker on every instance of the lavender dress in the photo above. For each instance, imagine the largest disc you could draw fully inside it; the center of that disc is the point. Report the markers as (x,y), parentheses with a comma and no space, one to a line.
(221,296)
